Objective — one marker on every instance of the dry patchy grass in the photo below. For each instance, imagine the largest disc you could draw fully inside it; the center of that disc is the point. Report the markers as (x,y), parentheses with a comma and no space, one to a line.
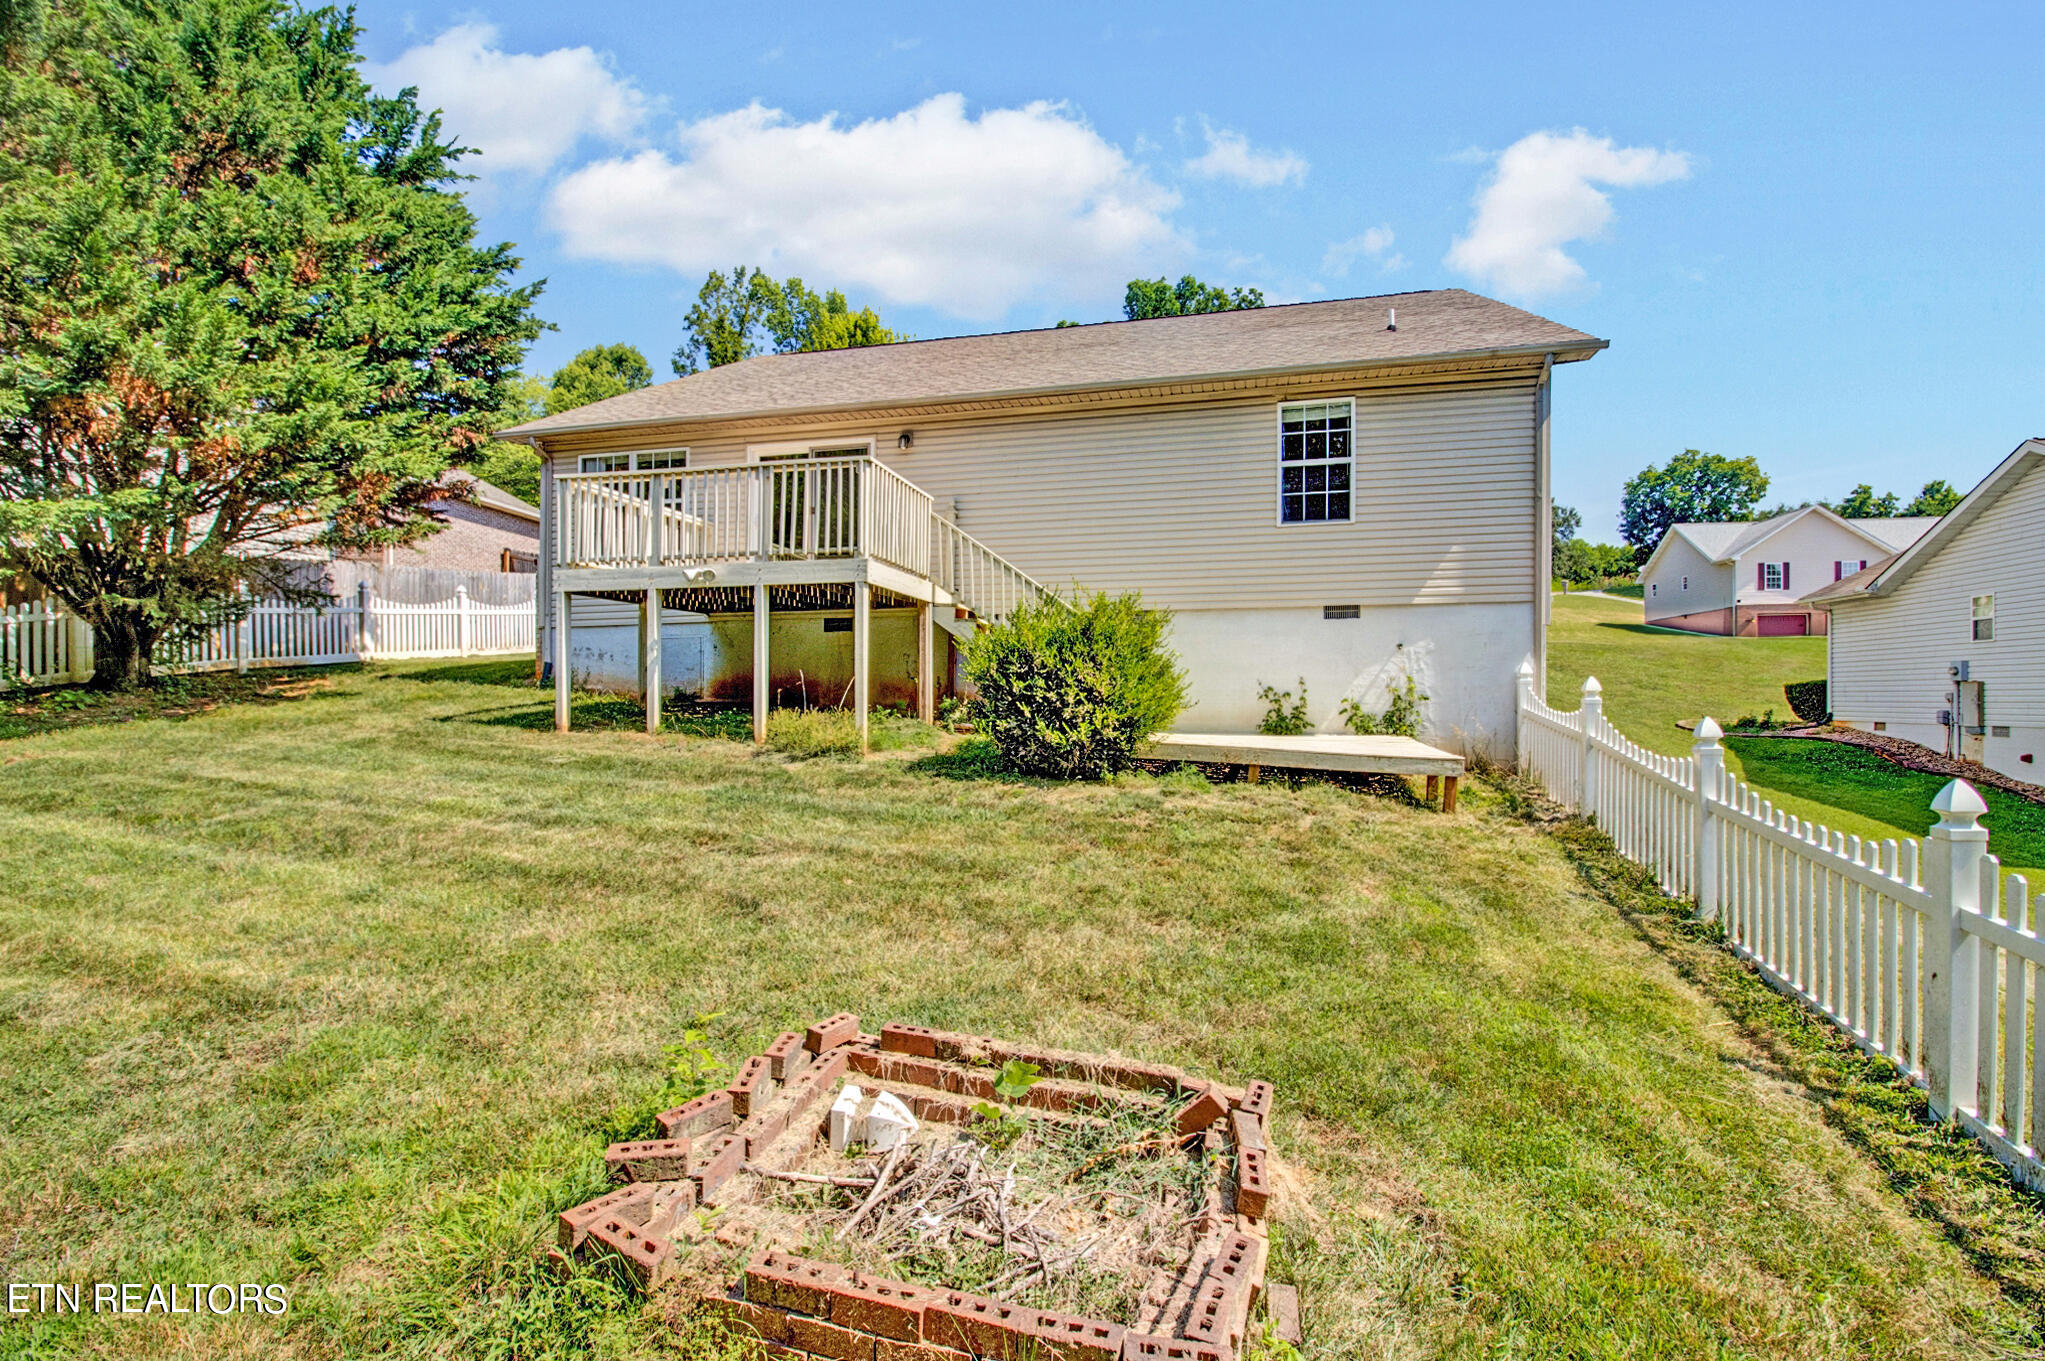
(350,994)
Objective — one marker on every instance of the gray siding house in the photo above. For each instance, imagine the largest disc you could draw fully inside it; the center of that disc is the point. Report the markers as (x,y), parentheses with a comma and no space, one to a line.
(1945,644)
(1349,492)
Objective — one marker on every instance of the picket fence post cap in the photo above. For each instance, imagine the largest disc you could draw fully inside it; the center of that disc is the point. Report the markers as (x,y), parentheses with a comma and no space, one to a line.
(1708,731)
(1526,669)
(1958,805)
(1591,686)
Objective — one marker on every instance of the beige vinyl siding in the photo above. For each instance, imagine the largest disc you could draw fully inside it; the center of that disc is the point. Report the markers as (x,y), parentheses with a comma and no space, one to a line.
(1712,584)
(1810,546)
(1889,654)
(1182,502)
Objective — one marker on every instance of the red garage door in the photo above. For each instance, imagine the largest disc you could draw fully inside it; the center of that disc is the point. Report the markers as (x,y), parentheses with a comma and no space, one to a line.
(1783,625)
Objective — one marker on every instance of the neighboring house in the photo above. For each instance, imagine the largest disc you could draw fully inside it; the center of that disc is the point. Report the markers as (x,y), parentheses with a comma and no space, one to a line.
(1315,490)
(1945,644)
(1750,577)
(491,531)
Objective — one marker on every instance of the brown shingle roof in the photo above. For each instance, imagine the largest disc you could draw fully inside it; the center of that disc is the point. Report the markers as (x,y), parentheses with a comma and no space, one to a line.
(1108,355)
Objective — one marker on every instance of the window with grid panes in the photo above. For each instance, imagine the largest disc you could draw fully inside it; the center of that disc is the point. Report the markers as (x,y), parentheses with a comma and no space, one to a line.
(1315,462)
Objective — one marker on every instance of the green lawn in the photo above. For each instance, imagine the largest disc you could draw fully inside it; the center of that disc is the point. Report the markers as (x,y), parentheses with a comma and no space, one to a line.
(1654,677)
(348,990)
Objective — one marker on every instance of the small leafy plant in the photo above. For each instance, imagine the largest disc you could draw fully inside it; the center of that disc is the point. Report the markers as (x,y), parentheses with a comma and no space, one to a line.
(1000,1127)
(1284,717)
(1401,717)
(693,1066)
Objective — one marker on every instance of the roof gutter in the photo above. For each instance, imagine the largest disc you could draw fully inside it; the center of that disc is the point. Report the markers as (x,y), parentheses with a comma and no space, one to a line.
(1549,354)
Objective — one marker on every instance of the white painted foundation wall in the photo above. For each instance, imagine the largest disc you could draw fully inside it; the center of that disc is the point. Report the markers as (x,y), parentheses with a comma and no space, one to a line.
(1463,656)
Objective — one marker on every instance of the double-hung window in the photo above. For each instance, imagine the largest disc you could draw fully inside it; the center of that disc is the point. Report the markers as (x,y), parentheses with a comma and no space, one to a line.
(1774,576)
(645,461)
(1984,618)
(1315,461)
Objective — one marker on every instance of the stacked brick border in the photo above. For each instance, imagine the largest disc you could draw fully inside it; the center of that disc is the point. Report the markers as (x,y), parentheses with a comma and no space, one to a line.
(822,1311)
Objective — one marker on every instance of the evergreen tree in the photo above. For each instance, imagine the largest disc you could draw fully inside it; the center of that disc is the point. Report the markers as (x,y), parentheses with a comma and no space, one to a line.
(241,307)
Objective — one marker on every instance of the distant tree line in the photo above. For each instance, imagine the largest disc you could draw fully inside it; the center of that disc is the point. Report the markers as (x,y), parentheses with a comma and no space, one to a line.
(1699,487)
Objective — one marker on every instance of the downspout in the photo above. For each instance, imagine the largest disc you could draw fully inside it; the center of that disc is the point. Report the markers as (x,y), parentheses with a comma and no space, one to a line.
(1544,526)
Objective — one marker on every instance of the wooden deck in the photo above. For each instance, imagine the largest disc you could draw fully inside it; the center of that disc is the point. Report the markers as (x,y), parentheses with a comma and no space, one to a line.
(1318,751)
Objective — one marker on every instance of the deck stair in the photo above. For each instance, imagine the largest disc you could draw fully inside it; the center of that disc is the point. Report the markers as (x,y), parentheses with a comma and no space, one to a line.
(726,539)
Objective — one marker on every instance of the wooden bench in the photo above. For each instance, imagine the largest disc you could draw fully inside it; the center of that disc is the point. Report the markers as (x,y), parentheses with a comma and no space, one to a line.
(1332,751)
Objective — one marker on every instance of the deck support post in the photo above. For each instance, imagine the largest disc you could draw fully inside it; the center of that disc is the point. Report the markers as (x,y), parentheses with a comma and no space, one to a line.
(560,661)
(926,665)
(1448,794)
(862,659)
(1252,773)
(649,656)
(760,665)
(1433,783)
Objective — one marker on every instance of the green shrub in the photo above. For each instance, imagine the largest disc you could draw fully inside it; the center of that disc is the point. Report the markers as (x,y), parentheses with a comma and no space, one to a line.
(1283,717)
(803,733)
(1401,717)
(1807,700)
(1067,688)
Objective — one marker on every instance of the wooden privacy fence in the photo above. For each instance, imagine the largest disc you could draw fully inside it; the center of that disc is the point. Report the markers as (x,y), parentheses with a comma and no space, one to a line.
(42,644)
(1920,951)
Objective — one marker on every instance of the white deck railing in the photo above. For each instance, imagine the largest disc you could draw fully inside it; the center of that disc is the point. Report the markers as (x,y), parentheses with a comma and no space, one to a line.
(41,643)
(979,578)
(798,508)
(1918,951)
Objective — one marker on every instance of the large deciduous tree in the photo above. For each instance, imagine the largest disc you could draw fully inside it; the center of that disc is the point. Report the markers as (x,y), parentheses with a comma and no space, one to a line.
(598,372)
(241,308)
(1935,498)
(1147,298)
(744,313)
(1693,486)
(1863,504)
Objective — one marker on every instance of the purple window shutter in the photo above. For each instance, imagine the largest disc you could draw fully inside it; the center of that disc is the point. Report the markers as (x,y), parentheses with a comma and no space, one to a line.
(1760,576)
(1785,576)
(1838,570)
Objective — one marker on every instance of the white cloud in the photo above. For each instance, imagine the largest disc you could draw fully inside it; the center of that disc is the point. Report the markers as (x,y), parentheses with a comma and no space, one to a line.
(928,207)
(521,111)
(1543,196)
(1374,243)
(1229,156)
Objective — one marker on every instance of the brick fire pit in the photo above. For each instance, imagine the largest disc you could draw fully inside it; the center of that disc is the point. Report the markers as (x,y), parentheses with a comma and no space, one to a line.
(1126,1225)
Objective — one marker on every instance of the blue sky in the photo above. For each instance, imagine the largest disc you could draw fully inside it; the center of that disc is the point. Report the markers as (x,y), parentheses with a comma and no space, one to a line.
(1813,235)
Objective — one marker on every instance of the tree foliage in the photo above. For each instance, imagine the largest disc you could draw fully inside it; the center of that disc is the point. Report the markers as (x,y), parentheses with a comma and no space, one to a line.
(1068,688)
(1578,561)
(598,372)
(241,307)
(1565,522)
(1693,486)
(745,313)
(1147,298)
(1934,498)
(1862,504)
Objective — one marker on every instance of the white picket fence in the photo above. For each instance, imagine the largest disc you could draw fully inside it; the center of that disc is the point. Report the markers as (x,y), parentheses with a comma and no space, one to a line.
(1921,952)
(43,644)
